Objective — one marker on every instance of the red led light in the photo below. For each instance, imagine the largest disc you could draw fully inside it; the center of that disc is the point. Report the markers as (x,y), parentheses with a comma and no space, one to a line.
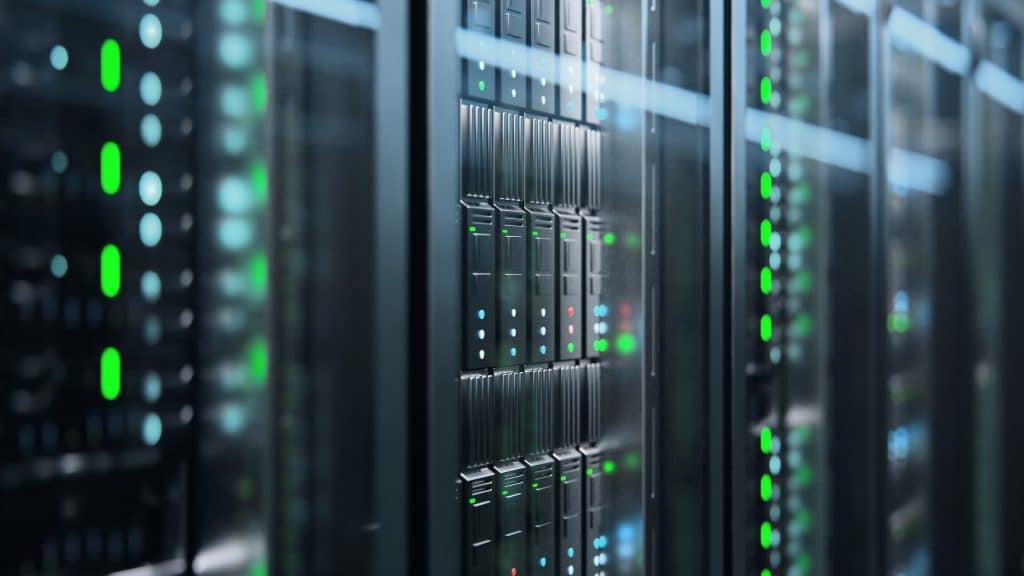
(513,572)
(572,311)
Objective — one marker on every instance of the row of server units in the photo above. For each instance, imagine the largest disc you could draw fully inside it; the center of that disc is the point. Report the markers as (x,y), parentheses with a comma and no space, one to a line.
(531,195)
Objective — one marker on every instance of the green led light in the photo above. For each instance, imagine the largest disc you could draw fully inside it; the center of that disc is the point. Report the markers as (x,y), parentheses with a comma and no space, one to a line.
(766,572)
(899,322)
(110,373)
(472,500)
(609,9)
(608,467)
(590,471)
(472,228)
(766,4)
(110,65)
(110,168)
(535,233)
(258,179)
(766,42)
(504,231)
(481,86)
(766,139)
(609,238)
(563,478)
(110,271)
(766,90)
(766,185)
(258,91)
(590,236)
(766,280)
(259,10)
(259,359)
(632,461)
(626,343)
(766,440)
(562,235)
(258,273)
(570,347)
(259,568)
(536,485)
(766,535)
(600,345)
(766,327)
(766,232)
(504,492)
(766,487)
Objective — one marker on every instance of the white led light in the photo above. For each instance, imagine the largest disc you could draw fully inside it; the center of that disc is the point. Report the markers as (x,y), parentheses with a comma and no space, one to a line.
(151,31)
(514,312)
(543,312)
(512,332)
(151,229)
(151,188)
(151,130)
(481,65)
(482,355)
(480,334)
(150,285)
(543,330)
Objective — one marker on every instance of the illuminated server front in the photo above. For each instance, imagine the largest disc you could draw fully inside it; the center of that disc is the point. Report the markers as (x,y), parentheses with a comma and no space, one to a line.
(534,321)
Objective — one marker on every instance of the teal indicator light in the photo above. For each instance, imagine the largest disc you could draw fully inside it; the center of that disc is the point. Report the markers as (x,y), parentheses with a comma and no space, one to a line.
(766,327)
(766,90)
(766,232)
(110,168)
(766,487)
(110,65)
(110,271)
(766,535)
(110,373)
(766,185)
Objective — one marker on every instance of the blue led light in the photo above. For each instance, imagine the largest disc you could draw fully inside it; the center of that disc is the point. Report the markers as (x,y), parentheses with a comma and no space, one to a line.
(597,310)
(513,352)
(481,314)
(543,349)
(543,561)
(597,542)
(571,552)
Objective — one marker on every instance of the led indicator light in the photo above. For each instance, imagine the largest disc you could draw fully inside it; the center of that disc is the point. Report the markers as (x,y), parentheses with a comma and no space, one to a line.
(259,360)
(766,90)
(481,86)
(571,347)
(513,352)
(572,329)
(543,561)
(766,572)
(110,373)
(571,311)
(472,228)
(536,484)
(766,232)
(766,280)
(110,65)
(608,467)
(766,440)
(481,334)
(571,552)
(590,471)
(766,185)
(110,271)
(766,327)
(504,231)
(766,42)
(481,314)
(535,233)
(766,535)
(562,235)
(513,572)
(609,238)
(766,139)
(543,331)
(472,500)
(110,168)
(766,487)
(504,492)
(543,350)
(543,312)
(563,478)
